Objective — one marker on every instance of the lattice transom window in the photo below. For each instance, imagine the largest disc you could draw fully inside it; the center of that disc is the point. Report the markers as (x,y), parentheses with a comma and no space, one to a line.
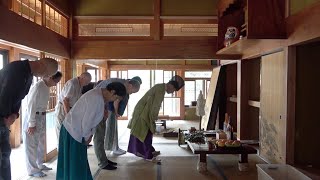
(29,9)
(56,22)
(114,29)
(190,30)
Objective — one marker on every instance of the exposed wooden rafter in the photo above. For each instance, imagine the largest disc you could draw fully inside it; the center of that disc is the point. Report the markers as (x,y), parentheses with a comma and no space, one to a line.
(149,49)
(157,24)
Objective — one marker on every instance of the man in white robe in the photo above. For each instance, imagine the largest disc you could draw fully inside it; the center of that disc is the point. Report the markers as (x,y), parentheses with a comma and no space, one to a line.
(69,95)
(78,128)
(106,135)
(34,125)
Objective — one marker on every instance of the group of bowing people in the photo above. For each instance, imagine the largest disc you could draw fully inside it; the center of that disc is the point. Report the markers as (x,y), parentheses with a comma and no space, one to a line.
(95,113)
(79,118)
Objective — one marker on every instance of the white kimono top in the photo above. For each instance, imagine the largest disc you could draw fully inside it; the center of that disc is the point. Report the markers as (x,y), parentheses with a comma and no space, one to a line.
(85,115)
(37,101)
(71,90)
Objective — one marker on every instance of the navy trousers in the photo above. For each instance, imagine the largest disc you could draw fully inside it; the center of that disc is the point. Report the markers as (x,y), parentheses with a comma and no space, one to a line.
(5,151)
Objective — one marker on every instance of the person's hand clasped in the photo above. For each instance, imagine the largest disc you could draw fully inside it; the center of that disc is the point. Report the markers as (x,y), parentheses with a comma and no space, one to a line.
(31,130)
(89,140)
(10,119)
(117,115)
(105,115)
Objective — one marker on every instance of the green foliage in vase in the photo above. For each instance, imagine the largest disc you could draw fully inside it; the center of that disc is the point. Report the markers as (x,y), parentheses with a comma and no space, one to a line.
(196,137)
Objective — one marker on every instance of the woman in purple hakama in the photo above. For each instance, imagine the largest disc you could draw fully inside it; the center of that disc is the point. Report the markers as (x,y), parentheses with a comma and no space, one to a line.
(145,113)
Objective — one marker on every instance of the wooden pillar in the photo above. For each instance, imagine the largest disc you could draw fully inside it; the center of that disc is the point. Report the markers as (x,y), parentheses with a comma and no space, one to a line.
(157,23)
(66,69)
(103,73)
(180,94)
(43,6)
(80,68)
(291,103)
(239,109)
(15,128)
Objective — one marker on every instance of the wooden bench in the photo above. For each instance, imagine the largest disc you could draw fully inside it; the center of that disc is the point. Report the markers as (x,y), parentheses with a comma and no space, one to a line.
(203,150)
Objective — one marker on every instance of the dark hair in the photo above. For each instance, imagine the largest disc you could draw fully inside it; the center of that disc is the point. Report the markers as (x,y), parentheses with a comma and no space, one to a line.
(135,84)
(174,84)
(98,82)
(137,78)
(57,75)
(177,82)
(118,87)
(87,87)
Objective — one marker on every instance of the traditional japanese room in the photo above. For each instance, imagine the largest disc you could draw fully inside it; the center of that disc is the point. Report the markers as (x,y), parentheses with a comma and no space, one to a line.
(248,107)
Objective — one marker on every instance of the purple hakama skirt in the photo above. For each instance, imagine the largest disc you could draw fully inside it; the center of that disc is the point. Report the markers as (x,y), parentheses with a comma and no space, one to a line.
(141,149)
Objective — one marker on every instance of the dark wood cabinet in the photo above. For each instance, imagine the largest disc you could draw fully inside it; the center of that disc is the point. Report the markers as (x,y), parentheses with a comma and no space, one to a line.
(256,21)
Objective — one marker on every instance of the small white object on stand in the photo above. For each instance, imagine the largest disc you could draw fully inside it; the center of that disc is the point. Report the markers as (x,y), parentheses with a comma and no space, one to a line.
(201,102)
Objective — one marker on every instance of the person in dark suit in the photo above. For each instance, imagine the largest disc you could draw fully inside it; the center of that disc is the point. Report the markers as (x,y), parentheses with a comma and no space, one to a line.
(15,81)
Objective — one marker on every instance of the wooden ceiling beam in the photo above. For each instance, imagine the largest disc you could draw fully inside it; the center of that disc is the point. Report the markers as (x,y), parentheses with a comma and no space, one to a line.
(153,49)
(156,28)
(189,21)
(114,20)
(163,67)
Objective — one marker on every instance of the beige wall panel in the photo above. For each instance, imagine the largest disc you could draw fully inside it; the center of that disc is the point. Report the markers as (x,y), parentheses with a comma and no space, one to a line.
(209,100)
(272,108)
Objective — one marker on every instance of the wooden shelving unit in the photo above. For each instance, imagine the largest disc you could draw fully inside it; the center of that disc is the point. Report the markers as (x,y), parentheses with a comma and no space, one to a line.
(231,93)
(260,23)
(233,99)
(254,46)
(254,103)
(250,99)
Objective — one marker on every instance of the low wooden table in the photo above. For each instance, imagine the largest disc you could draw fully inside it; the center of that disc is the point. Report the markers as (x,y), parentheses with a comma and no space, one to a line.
(203,150)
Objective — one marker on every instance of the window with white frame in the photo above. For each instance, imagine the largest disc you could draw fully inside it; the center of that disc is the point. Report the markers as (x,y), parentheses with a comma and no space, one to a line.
(94,72)
(171,103)
(3,58)
(196,81)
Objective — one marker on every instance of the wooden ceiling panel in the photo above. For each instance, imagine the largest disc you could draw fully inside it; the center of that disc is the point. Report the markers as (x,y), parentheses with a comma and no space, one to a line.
(189,7)
(113,8)
(144,8)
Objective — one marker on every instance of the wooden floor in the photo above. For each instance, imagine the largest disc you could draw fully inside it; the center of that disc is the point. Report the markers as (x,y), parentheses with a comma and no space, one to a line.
(177,162)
